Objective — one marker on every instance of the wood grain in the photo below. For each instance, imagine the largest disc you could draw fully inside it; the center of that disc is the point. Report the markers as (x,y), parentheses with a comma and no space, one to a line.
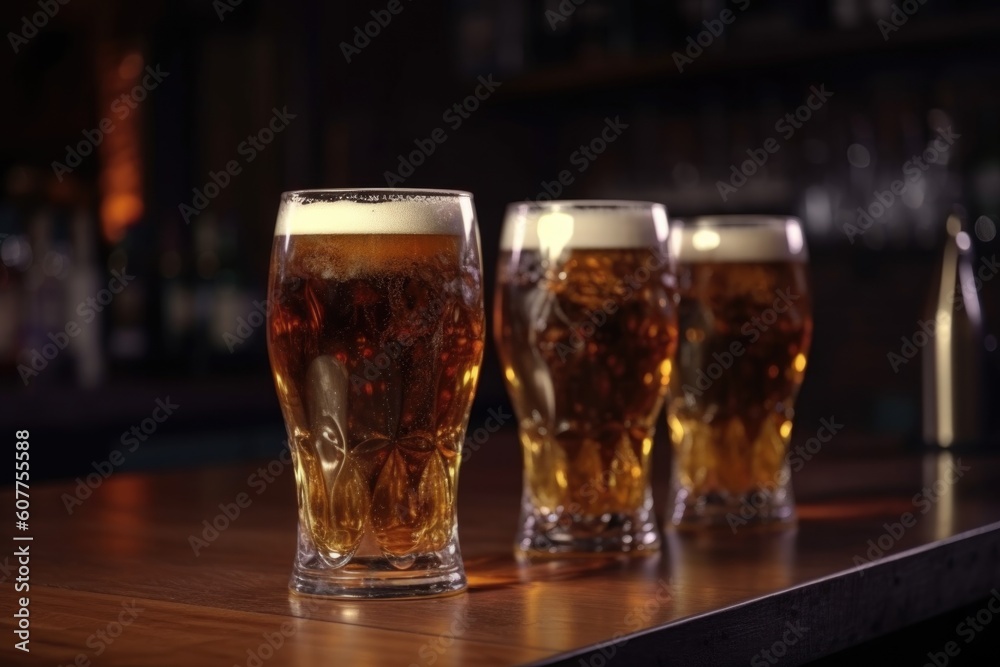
(169,634)
(707,599)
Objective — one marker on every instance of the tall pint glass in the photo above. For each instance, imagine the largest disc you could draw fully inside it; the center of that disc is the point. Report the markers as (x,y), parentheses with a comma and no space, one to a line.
(375,335)
(586,327)
(745,327)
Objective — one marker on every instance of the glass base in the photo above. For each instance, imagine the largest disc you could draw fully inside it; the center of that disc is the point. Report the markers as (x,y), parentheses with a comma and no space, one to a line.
(558,536)
(758,510)
(369,577)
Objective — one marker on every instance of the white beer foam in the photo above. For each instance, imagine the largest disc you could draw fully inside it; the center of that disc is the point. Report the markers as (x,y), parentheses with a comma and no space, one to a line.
(409,214)
(737,238)
(600,225)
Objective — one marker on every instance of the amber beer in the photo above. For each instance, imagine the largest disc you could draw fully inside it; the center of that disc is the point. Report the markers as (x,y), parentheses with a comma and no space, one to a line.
(746,322)
(586,327)
(375,339)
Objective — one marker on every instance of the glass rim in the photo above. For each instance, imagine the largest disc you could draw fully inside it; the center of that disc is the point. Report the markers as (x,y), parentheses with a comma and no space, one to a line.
(578,204)
(736,220)
(403,193)
(592,218)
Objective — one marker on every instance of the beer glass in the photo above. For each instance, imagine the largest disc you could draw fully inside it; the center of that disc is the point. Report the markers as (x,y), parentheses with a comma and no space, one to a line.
(586,327)
(745,326)
(375,334)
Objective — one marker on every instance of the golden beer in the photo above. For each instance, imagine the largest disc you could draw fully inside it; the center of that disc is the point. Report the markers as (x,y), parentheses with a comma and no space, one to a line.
(745,326)
(376,337)
(586,327)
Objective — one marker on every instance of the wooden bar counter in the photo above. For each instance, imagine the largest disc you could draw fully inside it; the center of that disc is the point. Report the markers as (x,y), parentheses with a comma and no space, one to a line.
(123,579)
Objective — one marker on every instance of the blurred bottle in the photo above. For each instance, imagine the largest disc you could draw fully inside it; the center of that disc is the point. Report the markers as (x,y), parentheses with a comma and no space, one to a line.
(85,281)
(126,313)
(490,37)
(14,258)
(953,347)
(233,302)
(46,304)
(176,298)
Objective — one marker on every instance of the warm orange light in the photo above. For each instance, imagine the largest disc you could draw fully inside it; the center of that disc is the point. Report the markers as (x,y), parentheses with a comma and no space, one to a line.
(120,151)
(130,66)
(123,509)
(120,209)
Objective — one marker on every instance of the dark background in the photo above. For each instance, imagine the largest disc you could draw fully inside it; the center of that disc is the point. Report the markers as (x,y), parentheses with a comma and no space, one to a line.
(228,67)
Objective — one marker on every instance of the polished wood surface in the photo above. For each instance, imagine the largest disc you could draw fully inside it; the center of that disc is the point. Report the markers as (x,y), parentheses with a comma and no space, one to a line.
(707,599)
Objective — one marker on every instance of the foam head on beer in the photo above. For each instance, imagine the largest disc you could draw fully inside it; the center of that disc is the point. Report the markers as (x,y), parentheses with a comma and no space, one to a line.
(375,212)
(550,227)
(739,238)
(326,223)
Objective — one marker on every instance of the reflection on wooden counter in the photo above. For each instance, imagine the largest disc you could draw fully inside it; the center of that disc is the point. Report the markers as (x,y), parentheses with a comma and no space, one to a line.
(715,598)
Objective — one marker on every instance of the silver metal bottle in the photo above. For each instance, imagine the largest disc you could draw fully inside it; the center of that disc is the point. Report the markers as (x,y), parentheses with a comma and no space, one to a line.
(953,355)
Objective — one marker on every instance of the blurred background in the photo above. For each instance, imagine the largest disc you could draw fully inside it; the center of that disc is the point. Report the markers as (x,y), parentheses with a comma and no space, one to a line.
(146,144)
